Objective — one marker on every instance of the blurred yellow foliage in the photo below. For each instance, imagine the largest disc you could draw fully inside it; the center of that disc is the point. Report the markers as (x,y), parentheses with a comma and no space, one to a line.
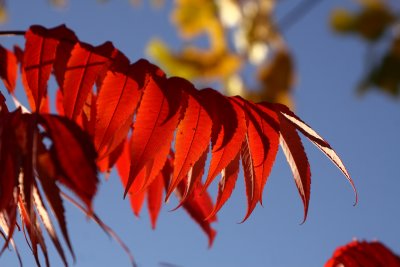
(370,22)
(277,79)
(386,74)
(248,27)
(375,22)
(194,63)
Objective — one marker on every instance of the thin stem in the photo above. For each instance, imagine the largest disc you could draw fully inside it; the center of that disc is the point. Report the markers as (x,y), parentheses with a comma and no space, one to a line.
(11,33)
(298,12)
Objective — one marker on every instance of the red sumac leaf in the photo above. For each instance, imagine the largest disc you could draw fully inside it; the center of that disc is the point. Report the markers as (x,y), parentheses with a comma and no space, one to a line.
(317,140)
(192,137)
(294,151)
(116,104)
(226,184)
(8,69)
(157,116)
(48,177)
(74,156)
(39,56)
(228,138)
(9,158)
(199,206)
(154,198)
(363,254)
(84,66)
(258,150)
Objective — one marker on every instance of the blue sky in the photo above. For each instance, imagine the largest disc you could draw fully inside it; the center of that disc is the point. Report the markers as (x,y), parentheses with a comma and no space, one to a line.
(363,130)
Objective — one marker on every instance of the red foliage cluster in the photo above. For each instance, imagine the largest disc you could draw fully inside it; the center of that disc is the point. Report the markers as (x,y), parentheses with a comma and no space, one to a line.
(363,254)
(130,114)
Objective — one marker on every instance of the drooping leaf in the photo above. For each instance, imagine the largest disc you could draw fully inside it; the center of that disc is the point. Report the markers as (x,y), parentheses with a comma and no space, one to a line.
(250,179)
(294,151)
(48,176)
(74,155)
(317,140)
(46,220)
(199,206)
(258,149)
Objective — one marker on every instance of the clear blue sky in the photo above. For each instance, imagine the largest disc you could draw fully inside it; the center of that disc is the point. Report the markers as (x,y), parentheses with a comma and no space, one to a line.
(364,131)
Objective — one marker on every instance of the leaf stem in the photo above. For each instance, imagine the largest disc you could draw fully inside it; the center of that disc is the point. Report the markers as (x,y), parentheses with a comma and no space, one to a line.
(11,33)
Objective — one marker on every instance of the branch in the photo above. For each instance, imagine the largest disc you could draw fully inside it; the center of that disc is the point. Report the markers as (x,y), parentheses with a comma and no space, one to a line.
(12,33)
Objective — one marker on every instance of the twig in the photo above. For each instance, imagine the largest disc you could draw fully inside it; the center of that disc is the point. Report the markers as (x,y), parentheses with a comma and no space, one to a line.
(11,33)
(295,14)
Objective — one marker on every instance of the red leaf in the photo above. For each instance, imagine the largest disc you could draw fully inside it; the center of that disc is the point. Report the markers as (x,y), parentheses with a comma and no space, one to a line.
(154,198)
(227,139)
(47,223)
(192,138)
(117,101)
(9,158)
(199,206)
(193,178)
(137,200)
(317,140)
(226,184)
(19,53)
(250,179)
(48,177)
(39,56)
(74,156)
(294,151)
(157,115)
(258,150)
(3,106)
(108,162)
(363,254)
(84,66)
(270,128)
(67,42)
(8,69)
(123,166)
